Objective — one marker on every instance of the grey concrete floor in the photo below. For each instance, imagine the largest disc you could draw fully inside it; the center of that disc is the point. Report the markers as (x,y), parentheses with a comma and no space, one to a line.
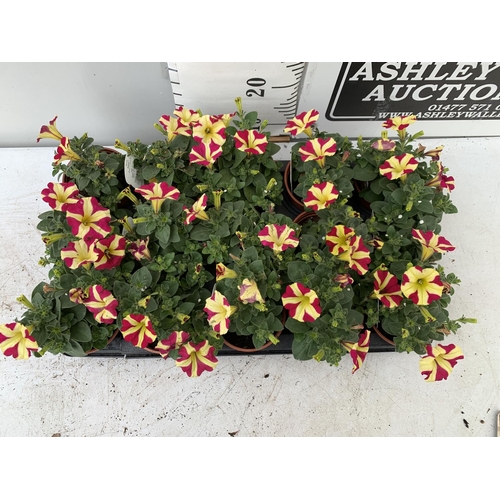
(262,395)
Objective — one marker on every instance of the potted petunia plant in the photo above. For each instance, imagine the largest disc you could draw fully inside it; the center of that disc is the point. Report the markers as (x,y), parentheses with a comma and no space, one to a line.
(192,253)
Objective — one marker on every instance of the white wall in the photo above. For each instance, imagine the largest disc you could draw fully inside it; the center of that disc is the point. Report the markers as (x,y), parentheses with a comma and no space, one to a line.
(106,100)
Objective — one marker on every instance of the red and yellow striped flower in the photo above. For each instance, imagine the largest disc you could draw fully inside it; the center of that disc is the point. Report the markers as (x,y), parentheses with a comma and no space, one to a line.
(187,116)
(138,330)
(79,253)
(174,126)
(431,243)
(384,145)
(358,350)
(343,280)
(194,359)
(249,292)
(250,141)
(435,153)
(439,362)
(197,211)
(16,341)
(386,289)
(205,154)
(218,310)
(399,122)
(57,194)
(50,131)
(302,123)
(174,341)
(64,152)
(399,166)
(277,237)
(441,180)
(101,304)
(321,196)
(223,272)
(301,302)
(226,118)
(139,249)
(209,129)
(422,286)
(157,193)
(338,239)
(77,295)
(357,255)
(110,252)
(88,219)
(317,150)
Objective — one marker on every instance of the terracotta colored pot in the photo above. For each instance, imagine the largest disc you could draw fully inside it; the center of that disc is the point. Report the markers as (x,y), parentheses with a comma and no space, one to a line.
(248,338)
(383,335)
(287,180)
(304,216)
(109,342)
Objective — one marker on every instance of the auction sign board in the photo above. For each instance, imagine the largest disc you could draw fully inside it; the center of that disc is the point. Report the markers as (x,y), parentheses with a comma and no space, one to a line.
(449,99)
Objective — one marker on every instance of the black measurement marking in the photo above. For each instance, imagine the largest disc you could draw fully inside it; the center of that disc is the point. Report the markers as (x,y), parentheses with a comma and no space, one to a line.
(295,64)
(172,69)
(176,83)
(284,86)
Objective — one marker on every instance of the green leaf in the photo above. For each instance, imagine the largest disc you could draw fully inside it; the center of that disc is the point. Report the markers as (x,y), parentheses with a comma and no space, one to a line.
(303,348)
(73,348)
(298,271)
(141,278)
(81,332)
(364,173)
(201,233)
(296,326)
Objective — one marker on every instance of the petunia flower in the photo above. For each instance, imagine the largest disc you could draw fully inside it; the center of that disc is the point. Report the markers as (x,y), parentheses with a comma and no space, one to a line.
(157,193)
(77,295)
(321,196)
(101,304)
(399,166)
(226,118)
(218,310)
(431,243)
(343,280)
(187,116)
(439,361)
(301,302)
(338,239)
(399,122)
(357,255)
(250,141)
(110,252)
(64,152)
(50,131)
(79,254)
(302,123)
(138,330)
(139,249)
(435,153)
(174,126)
(205,154)
(16,341)
(277,237)
(194,359)
(441,180)
(223,272)
(209,129)
(422,286)
(358,350)
(317,150)
(174,341)
(386,289)
(197,211)
(249,292)
(88,219)
(384,145)
(57,194)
